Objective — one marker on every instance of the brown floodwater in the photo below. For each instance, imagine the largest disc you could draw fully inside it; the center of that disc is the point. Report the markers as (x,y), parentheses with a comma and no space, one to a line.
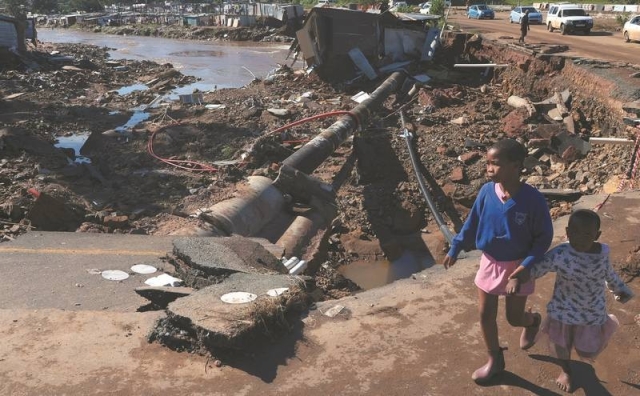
(218,64)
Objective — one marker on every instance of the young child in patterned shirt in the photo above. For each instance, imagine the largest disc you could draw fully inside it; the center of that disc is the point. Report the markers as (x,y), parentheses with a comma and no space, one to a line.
(577,314)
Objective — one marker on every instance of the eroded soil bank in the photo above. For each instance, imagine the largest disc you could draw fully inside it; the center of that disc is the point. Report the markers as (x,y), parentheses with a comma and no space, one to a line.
(124,189)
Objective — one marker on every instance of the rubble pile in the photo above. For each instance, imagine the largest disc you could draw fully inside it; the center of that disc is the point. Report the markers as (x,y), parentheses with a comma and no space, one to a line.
(123,189)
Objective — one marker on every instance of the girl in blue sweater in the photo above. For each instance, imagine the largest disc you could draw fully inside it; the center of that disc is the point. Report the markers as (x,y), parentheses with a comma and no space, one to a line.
(510,223)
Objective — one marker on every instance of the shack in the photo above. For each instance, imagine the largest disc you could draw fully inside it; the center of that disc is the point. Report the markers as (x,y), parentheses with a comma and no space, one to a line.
(8,32)
(334,40)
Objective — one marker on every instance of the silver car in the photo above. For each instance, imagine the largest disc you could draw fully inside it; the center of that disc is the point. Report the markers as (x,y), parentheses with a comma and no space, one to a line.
(517,13)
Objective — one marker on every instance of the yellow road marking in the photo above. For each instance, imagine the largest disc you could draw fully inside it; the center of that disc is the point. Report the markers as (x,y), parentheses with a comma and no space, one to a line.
(84,251)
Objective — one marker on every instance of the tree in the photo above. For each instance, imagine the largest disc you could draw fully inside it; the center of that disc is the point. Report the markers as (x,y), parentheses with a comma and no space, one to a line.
(44,6)
(437,7)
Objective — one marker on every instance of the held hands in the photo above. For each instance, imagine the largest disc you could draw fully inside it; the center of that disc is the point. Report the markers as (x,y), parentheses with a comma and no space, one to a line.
(449,261)
(513,286)
(517,277)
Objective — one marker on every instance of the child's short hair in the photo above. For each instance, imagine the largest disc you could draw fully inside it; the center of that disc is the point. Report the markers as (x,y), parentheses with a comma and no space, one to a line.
(511,149)
(587,216)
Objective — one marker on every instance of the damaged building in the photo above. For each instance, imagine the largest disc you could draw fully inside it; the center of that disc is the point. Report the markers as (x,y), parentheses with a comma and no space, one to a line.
(332,38)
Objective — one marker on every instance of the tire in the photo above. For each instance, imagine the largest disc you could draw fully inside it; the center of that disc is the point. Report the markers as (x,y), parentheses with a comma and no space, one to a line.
(587,32)
(510,20)
(563,29)
(626,37)
(549,27)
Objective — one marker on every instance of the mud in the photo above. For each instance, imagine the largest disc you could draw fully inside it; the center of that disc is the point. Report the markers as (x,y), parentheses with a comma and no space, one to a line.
(125,190)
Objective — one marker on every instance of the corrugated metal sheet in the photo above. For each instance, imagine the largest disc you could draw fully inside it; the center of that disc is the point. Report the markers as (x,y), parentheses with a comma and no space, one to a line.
(8,34)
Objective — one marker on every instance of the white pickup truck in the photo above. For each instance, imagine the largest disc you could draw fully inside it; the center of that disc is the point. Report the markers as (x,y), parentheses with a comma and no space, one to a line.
(568,18)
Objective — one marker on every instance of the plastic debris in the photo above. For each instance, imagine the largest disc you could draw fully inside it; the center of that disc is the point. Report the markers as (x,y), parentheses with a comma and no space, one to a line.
(278,291)
(238,297)
(114,275)
(143,269)
(163,280)
(360,97)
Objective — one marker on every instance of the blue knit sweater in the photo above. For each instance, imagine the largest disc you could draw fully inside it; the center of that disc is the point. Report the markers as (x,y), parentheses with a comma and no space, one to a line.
(520,228)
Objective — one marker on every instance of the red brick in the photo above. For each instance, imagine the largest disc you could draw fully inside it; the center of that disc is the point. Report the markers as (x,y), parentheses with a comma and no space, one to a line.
(457,175)
(470,157)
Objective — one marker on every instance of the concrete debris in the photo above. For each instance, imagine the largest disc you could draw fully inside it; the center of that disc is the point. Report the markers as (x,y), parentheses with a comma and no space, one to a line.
(518,102)
(279,112)
(334,311)
(227,255)
(161,296)
(555,115)
(462,120)
(219,324)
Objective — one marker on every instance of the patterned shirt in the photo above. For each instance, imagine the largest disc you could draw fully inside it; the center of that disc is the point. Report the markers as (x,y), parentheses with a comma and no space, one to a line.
(579,291)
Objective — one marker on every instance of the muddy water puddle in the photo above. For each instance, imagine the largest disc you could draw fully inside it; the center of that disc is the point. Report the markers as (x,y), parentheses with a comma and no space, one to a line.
(217,64)
(372,274)
(74,142)
(132,88)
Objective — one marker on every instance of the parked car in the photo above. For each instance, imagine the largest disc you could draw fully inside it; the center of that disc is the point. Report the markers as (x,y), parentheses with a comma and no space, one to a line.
(398,4)
(447,3)
(517,13)
(568,18)
(480,11)
(425,8)
(325,3)
(631,29)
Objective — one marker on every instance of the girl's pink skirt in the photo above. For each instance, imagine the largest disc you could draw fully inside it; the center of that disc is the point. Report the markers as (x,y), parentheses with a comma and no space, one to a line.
(588,341)
(493,275)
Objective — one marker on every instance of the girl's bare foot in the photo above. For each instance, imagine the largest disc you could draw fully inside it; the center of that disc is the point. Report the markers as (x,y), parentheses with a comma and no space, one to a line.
(564,381)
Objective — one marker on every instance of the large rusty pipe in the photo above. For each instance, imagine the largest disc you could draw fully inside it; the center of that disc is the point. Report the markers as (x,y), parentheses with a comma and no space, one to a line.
(257,203)
(297,237)
(312,154)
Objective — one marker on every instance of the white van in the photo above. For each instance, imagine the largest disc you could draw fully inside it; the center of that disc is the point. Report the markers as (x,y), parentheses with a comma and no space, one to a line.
(568,18)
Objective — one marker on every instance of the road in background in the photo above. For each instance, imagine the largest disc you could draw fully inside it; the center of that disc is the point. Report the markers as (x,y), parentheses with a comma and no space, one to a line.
(598,45)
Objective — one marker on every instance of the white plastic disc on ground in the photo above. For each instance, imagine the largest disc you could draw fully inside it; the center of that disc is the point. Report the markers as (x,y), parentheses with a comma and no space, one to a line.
(238,297)
(278,291)
(114,275)
(143,269)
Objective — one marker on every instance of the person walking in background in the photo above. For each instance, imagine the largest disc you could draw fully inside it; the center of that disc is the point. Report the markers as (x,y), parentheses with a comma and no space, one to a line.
(577,313)
(510,223)
(524,26)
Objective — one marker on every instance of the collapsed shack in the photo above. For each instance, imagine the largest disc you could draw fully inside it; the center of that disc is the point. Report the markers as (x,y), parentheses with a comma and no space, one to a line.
(331,38)
(361,189)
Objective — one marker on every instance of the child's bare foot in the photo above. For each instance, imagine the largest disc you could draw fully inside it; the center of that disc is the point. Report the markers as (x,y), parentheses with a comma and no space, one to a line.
(564,381)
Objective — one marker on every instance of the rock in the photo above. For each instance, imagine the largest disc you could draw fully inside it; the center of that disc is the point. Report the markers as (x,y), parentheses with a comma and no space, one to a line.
(514,124)
(538,181)
(457,175)
(469,157)
(279,112)
(116,221)
(570,154)
(555,115)
(442,150)
(460,121)
(531,162)
(484,88)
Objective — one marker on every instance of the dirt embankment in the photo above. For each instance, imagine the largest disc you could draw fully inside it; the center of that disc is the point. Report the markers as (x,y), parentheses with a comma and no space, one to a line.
(261,32)
(126,190)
